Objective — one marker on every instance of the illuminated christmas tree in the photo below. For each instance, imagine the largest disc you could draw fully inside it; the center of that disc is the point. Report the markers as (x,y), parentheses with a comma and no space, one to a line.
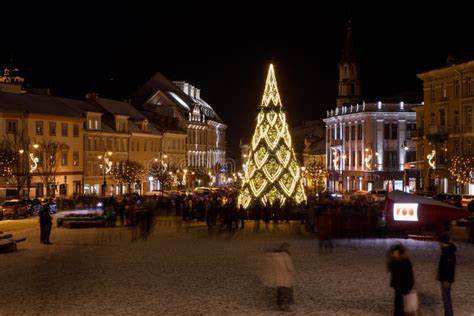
(272,173)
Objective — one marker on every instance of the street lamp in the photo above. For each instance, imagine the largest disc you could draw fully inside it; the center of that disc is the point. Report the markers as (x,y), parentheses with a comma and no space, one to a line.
(106,166)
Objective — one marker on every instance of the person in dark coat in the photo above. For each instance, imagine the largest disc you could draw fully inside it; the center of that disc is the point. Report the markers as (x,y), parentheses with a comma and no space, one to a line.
(446,270)
(46,223)
(242,216)
(402,278)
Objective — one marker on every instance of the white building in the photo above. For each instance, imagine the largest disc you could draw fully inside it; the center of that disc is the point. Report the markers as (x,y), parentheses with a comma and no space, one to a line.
(368,144)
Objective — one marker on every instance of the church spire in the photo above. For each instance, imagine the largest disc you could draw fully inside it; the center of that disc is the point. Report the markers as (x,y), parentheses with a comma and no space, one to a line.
(348,53)
(270,93)
(349,78)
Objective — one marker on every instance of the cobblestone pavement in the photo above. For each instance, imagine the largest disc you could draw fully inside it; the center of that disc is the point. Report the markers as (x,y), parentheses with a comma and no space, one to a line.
(182,269)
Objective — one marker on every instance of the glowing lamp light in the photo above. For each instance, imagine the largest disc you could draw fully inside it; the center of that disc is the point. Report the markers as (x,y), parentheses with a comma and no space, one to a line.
(407,212)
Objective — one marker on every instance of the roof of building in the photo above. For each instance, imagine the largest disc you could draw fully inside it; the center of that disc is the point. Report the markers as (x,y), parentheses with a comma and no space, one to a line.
(185,103)
(372,107)
(39,104)
(440,70)
(315,146)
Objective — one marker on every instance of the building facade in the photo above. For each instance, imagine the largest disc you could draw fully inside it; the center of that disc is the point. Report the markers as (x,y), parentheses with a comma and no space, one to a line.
(445,126)
(205,130)
(47,133)
(367,146)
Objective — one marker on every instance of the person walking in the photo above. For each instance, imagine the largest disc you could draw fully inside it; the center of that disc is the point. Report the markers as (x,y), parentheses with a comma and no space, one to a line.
(402,278)
(284,273)
(446,271)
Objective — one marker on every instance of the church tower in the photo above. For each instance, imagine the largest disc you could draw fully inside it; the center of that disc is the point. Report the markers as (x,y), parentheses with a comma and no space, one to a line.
(349,77)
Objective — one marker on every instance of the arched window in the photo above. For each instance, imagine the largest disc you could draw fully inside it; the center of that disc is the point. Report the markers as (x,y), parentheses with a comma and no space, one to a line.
(352,88)
(346,70)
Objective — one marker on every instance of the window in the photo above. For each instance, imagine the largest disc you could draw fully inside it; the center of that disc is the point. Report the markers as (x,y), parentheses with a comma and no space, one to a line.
(75,158)
(456,118)
(390,159)
(456,147)
(386,131)
(410,156)
(52,128)
(75,130)
(432,119)
(124,145)
(346,131)
(469,147)
(469,87)
(432,92)
(12,126)
(456,88)
(443,86)
(63,158)
(39,127)
(353,130)
(64,129)
(132,146)
(117,145)
(352,88)
(89,124)
(468,116)
(442,117)
(96,144)
(110,144)
(359,158)
(89,144)
(359,131)
(353,160)
(394,131)
(144,146)
(138,146)
(96,124)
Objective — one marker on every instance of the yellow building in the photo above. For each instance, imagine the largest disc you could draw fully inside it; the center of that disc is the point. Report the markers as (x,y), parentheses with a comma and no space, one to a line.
(314,164)
(445,125)
(47,132)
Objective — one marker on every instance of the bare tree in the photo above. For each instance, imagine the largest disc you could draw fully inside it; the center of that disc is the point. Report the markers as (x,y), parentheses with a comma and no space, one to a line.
(317,173)
(159,172)
(49,154)
(128,172)
(14,160)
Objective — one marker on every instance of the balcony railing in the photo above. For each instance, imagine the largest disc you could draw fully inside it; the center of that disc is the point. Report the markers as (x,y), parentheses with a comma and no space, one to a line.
(336,142)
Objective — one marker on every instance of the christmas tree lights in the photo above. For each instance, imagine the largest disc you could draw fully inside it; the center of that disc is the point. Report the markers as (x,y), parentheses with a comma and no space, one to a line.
(272,173)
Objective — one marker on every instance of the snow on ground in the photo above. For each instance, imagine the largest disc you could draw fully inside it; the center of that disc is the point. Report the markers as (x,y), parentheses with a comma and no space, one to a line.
(181,269)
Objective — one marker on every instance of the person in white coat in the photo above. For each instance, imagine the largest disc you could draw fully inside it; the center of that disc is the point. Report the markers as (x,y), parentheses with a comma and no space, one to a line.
(284,277)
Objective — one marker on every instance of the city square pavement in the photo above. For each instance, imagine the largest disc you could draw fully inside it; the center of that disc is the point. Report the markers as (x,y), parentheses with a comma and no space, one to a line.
(182,269)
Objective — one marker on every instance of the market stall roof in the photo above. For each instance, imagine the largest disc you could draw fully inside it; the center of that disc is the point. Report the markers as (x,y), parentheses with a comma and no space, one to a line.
(403,197)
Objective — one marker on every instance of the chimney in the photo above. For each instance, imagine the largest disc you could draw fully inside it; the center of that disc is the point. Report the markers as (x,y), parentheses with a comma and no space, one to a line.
(91,96)
(186,88)
(191,91)
(198,93)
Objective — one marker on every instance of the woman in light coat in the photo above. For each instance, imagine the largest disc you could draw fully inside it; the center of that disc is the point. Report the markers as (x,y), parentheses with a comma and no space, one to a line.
(284,277)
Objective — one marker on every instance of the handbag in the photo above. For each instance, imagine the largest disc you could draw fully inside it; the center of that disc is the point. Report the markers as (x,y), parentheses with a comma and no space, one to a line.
(410,302)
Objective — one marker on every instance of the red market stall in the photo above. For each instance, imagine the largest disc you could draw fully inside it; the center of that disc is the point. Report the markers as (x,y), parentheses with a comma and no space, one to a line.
(410,212)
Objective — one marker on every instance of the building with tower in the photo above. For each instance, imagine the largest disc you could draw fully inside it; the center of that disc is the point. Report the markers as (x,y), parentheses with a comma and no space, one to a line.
(367,144)
(349,73)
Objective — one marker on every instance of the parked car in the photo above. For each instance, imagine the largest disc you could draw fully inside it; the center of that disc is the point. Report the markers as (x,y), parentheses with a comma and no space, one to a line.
(465,199)
(15,209)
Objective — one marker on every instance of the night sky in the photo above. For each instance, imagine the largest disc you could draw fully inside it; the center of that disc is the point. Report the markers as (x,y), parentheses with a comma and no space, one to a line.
(112,49)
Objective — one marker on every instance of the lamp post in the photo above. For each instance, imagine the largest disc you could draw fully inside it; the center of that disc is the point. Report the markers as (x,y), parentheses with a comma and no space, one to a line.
(106,166)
